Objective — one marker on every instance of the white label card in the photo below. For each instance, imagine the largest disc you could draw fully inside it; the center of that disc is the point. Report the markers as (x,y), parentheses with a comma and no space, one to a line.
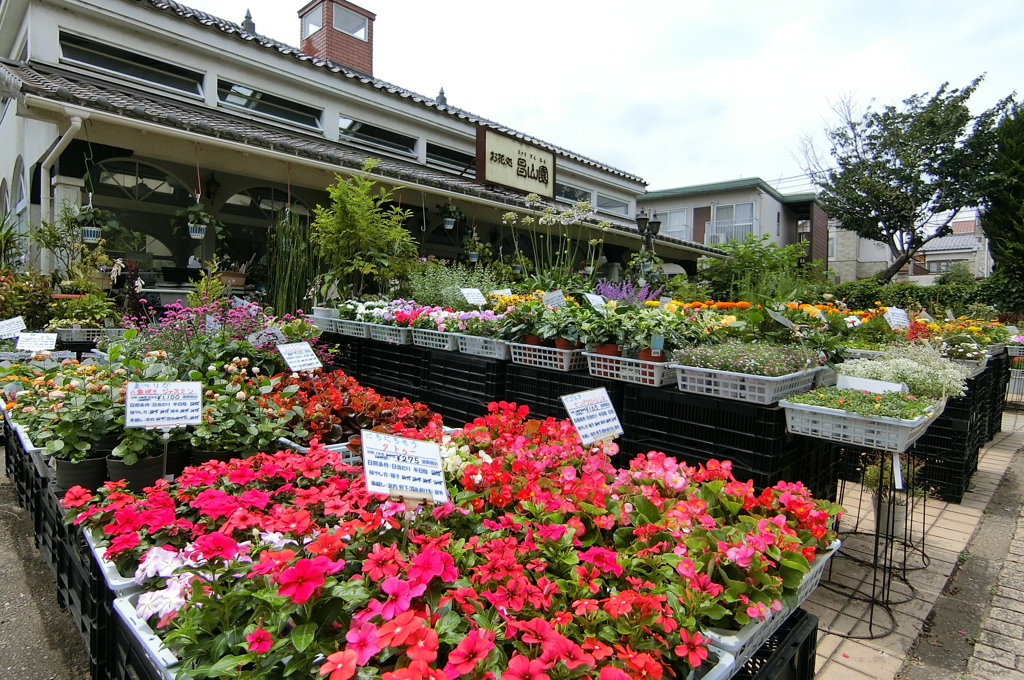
(11,327)
(926,316)
(163,404)
(778,317)
(950,315)
(299,356)
(1012,330)
(597,302)
(473,296)
(554,299)
(36,342)
(593,415)
(398,466)
(897,318)
(665,300)
(211,324)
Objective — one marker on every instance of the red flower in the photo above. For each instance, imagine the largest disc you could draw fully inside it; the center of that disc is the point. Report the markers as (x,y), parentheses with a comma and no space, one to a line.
(363,642)
(341,665)
(693,649)
(396,631)
(216,545)
(300,581)
(76,497)
(521,668)
(422,645)
(470,651)
(122,543)
(259,641)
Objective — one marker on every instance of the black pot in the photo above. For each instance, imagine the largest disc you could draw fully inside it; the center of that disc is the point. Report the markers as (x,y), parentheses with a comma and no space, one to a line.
(144,473)
(199,456)
(89,473)
(178,458)
(106,444)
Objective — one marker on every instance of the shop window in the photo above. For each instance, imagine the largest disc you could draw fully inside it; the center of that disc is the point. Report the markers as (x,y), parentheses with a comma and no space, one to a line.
(612,205)
(450,158)
(262,203)
(136,66)
(377,136)
(568,192)
(312,21)
(347,21)
(139,182)
(268,104)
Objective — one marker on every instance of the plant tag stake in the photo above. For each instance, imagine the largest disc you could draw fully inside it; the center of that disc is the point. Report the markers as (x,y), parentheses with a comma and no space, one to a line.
(403,468)
(554,299)
(657,345)
(153,405)
(299,356)
(36,342)
(593,415)
(11,327)
(1012,330)
(926,316)
(665,300)
(897,318)
(597,302)
(897,472)
(504,292)
(781,319)
(473,296)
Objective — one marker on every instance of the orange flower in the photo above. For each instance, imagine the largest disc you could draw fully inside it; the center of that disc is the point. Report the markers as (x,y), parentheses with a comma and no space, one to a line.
(792,305)
(743,305)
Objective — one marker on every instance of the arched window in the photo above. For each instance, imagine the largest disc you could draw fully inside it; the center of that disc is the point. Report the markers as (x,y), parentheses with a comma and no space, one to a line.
(5,206)
(18,194)
(261,203)
(135,181)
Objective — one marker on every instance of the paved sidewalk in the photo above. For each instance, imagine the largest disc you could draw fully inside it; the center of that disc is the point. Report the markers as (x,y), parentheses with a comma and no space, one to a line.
(947,533)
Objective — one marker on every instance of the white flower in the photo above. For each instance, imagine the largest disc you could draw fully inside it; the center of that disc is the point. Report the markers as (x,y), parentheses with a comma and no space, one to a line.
(161,602)
(275,539)
(157,562)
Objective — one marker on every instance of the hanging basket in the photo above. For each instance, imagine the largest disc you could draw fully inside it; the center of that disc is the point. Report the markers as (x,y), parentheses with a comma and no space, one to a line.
(91,234)
(197,231)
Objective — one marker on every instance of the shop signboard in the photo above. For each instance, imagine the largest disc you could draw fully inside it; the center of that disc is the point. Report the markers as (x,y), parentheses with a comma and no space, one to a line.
(511,162)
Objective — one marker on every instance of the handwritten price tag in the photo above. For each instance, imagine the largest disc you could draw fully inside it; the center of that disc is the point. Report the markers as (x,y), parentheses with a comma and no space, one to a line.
(403,467)
(36,342)
(897,318)
(11,327)
(554,299)
(473,296)
(163,404)
(593,415)
(299,356)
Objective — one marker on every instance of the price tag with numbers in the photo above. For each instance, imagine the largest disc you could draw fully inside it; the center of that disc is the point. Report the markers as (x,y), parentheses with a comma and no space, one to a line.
(299,356)
(473,296)
(555,298)
(11,327)
(154,405)
(36,342)
(403,468)
(593,415)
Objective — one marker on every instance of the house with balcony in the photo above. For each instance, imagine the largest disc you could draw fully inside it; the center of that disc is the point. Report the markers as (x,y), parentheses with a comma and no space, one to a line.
(715,213)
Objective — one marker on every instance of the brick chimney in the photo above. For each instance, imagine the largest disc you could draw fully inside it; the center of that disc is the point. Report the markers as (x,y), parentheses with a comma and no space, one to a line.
(339,31)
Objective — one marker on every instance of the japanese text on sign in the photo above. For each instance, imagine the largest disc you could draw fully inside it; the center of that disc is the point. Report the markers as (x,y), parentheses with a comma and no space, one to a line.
(400,466)
(36,342)
(473,296)
(11,327)
(163,404)
(593,415)
(554,299)
(597,302)
(897,318)
(299,356)
(267,336)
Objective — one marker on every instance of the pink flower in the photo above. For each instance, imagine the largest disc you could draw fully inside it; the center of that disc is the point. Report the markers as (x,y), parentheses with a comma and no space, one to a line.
(259,641)
(602,558)
(471,650)
(363,642)
(401,594)
(693,649)
(759,611)
(522,668)
(613,673)
(431,563)
(300,581)
(741,555)
(216,545)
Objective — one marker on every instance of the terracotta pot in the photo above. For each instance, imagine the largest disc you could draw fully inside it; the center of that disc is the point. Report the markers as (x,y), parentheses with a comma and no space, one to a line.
(646,355)
(562,343)
(531,339)
(144,473)
(609,349)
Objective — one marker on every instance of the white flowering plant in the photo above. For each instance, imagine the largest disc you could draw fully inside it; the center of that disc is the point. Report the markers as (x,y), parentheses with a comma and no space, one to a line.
(920,366)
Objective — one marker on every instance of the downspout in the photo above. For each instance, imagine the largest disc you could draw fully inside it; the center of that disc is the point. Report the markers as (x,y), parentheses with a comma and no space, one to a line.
(51,158)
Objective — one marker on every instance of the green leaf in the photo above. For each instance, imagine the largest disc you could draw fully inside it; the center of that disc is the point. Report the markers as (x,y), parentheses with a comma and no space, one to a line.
(302,636)
(227,665)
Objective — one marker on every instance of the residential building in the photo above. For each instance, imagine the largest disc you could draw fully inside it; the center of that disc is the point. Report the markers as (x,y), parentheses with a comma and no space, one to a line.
(144,107)
(851,257)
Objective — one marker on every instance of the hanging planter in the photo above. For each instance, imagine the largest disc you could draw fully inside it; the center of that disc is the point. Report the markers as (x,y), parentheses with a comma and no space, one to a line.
(449,223)
(517,269)
(474,257)
(91,234)
(197,231)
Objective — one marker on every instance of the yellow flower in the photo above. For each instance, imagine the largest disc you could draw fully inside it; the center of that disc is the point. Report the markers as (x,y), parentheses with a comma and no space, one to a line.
(728,320)
(652,303)
(672,306)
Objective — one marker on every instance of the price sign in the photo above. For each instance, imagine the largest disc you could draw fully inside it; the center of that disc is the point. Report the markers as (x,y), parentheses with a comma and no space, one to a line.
(36,342)
(657,345)
(267,336)
(403,467)
(163,404)
(778,317)
(950,315)
(11,327)
(593,415)
(897,318)
(504,292)
(554,299)
(299,356)
(473,296)
(597,302)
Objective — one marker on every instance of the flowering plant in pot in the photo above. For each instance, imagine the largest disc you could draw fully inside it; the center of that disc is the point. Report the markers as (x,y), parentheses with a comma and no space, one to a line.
(562,325)
(647,324)
(519,323)
(484,324)
(606,333)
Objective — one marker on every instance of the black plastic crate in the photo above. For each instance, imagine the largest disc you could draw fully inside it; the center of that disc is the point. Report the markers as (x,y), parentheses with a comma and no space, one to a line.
(392,388)
(393,363)
(542,390)
(346,353)
(789,654)
(949,479)
(463,375)
(456,411)
(127,659)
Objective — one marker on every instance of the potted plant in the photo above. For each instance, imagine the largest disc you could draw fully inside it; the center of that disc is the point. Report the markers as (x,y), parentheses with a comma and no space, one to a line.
(606,333)
(451,216)
(138,458)
(197,221)
(562,325)
(520,323)
(475,248)
(889,503)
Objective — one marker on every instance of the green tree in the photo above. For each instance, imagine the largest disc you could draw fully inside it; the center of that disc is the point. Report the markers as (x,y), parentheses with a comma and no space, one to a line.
(899,175)
(1003,215)
(755,268)
(959,272)
(361,236)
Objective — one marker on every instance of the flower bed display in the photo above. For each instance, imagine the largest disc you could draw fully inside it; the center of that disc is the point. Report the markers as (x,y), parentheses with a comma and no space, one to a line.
(653,373)
(548,357)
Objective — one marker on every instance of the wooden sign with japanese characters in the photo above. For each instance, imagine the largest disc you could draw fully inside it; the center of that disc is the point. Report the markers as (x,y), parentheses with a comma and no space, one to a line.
(511,162)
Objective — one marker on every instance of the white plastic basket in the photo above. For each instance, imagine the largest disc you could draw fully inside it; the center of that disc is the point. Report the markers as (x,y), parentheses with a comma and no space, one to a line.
(355,329)
(758,389)
(119,585)
(885,434)
(825,377)
(88,334)
(435,339)
(995,350)
(1015,350)
(390,334)
(548,357)
(322,322)
(484,347)
(653,373)
(1015,387)
(743,643)
(161,658)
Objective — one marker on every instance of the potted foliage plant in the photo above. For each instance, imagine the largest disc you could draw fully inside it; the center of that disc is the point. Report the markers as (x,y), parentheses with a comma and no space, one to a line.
(562,325)
(890,504)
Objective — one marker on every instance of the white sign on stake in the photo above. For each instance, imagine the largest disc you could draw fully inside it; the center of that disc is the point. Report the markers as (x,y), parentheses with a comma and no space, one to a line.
(473,296)
(11,327)
(36,342)
(949,315)
(554,299)
(1012,330)
(299,356)
(593,415)
(403,467)
(897,318)
(154,405)
(597,302)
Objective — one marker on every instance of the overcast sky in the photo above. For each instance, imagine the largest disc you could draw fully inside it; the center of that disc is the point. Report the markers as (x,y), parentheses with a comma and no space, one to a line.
(678,92)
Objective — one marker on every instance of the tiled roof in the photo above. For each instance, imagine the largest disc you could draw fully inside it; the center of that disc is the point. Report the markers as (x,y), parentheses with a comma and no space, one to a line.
(71,88)
(189,14)
(964,226)
(953,242)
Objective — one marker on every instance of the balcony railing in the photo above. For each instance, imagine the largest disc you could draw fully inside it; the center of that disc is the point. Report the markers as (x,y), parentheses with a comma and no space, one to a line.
(684,232)
(720,231)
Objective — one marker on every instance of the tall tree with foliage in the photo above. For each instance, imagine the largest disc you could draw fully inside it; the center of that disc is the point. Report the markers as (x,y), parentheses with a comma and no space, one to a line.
(899,175)
(1003,217)
(360,236)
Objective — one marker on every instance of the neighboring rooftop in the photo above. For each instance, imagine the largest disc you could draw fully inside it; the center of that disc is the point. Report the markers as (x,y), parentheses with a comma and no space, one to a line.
(730,185)
(953,242)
